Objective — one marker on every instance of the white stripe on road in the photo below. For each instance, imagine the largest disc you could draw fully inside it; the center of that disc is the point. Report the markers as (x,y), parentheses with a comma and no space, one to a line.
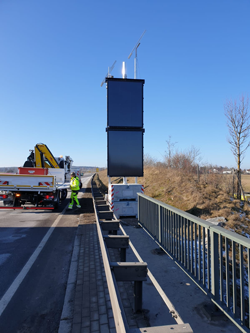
(18,280)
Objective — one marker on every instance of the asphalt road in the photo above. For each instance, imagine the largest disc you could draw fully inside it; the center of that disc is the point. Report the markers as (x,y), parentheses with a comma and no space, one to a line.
(35,254)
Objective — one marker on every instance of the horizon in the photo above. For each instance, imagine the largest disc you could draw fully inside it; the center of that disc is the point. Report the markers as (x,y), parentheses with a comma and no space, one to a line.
(194,57)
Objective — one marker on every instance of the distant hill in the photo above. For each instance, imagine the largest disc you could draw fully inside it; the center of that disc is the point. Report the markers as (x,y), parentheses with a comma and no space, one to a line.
(82,168)
(9,169)
(86,167)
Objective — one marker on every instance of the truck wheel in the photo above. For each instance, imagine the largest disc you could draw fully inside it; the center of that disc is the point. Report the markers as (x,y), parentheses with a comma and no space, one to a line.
(57,200)
(63,194)
(16,202)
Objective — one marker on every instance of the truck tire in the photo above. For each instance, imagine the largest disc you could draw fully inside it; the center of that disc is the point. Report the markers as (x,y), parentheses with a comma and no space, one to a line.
(57,200)
(16,202)
(63,194)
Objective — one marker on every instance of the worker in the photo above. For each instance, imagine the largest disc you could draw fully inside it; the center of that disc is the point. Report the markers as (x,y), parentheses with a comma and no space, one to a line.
(74,186)
(60,161)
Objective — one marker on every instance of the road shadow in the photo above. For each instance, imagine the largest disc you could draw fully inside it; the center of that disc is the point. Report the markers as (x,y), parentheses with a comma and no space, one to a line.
(86,190)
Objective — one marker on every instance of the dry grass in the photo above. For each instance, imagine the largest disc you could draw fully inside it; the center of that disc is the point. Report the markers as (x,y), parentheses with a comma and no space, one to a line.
(245,180)
(207,198)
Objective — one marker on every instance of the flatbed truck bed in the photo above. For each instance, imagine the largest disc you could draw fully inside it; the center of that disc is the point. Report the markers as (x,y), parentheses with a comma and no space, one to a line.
(37,189)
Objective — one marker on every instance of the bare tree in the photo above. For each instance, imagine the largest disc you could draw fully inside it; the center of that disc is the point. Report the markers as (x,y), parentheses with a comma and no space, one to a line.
(148,160)
(186,160)
(169,151)
(239,130)
(181,160)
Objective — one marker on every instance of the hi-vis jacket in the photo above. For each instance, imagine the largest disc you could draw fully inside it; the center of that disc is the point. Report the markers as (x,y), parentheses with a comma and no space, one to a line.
(74,184)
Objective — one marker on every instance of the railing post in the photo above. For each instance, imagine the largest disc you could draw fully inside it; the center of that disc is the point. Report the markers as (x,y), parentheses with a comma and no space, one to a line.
(123,254)
(214,264)
(138,295)
(159,222)
(199,246)
(138,208)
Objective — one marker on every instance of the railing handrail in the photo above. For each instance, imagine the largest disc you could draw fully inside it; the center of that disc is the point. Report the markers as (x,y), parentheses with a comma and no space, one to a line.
(177,211)
(242,240)
(219,230)
(210,255)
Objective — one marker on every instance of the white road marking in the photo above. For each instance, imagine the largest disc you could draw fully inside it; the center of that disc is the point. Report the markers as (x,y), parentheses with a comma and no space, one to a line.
(18,280)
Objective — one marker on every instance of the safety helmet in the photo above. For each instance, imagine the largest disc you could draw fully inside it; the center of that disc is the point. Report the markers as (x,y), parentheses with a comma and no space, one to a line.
(73,174)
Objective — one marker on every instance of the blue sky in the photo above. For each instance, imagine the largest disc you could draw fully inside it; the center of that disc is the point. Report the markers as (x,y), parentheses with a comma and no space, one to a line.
(194,57)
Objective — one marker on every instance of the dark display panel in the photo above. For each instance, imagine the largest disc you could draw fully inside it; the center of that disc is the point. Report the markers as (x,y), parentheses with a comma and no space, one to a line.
(125,153)
(125,102)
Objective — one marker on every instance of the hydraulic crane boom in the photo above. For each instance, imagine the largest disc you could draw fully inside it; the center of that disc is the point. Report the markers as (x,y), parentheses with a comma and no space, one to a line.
(44,158)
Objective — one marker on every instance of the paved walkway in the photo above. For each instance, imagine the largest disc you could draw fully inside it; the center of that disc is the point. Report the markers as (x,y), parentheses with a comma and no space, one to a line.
(87,306)
(92,306)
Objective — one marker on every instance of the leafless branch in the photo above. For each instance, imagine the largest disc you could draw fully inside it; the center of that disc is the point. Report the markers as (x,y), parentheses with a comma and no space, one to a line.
(238,122)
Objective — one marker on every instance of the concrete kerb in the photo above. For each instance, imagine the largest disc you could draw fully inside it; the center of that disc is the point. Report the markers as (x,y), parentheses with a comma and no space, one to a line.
(67,312)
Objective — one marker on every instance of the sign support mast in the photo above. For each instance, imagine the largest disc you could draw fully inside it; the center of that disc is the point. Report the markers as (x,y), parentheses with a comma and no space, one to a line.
(108,74)
(135,64)
(135,49)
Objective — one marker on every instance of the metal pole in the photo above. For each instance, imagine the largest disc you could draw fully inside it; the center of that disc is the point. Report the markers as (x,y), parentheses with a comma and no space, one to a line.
(124,75)
(125,181)
(159,222)
(138,295)
(135,63)
(123,254)
(214,264)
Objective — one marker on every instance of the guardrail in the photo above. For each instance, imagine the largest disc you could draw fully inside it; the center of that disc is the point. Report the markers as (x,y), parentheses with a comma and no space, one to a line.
(216,259)
(118,317)
(123,271)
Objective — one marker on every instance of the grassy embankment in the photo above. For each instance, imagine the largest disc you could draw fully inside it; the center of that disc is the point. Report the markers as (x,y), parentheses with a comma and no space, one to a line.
(210,197)
(245,179)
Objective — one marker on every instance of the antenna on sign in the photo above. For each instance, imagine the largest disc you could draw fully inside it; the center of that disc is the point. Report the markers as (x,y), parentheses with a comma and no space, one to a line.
(135,49)
(108,74)
(124,75)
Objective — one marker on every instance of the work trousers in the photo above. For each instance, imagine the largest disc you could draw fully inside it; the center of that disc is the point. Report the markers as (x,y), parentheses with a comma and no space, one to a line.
(74,198)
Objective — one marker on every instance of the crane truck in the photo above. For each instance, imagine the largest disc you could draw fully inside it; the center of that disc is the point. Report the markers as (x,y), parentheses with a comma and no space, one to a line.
(42,181)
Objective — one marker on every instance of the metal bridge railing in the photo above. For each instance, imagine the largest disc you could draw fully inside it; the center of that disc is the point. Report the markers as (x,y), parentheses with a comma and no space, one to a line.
(216,259)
